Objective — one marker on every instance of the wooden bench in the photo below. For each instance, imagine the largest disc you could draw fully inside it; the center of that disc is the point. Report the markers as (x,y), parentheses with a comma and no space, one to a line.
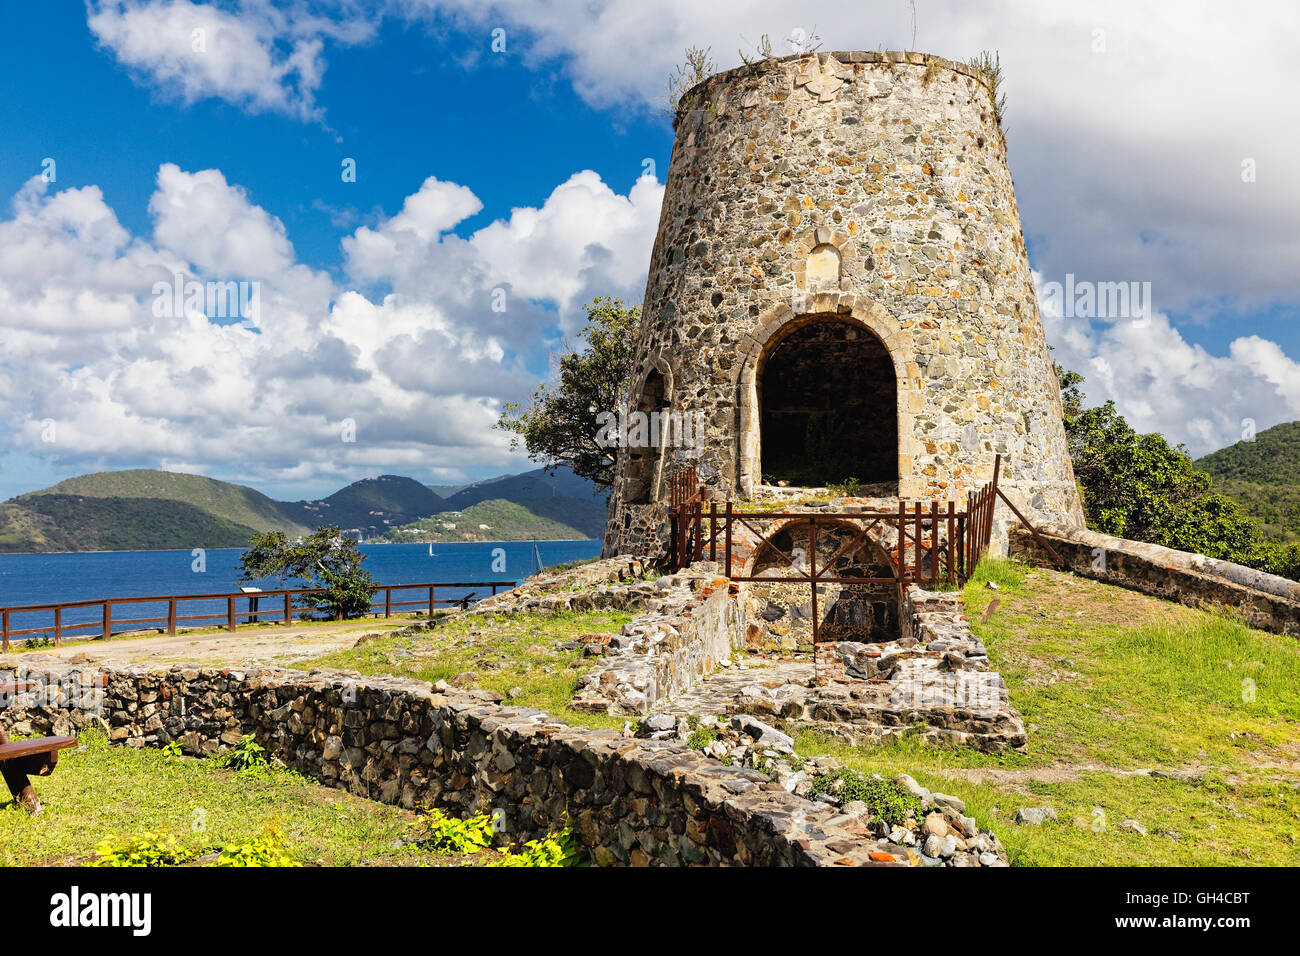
(21,758)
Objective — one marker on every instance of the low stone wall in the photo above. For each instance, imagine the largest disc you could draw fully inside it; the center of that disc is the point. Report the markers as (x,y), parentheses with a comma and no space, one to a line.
(1264,601)
(695,623)
(630,801)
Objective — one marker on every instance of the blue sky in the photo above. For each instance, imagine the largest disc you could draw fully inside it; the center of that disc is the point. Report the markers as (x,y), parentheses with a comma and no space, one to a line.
(538,170)
(403,105)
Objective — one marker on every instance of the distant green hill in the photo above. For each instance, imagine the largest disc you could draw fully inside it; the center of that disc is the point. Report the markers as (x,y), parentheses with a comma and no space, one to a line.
(558,518)
(144,509)
(222,500)
(140,509)
(383,502)
(1264,477)
(88,523)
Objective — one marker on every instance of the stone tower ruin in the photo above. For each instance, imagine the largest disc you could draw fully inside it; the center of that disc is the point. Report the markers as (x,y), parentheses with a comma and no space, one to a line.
(839,290)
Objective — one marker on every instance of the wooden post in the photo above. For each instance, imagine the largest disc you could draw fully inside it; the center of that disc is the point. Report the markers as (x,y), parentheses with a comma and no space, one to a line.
(5,615)
(970,532)
(934,543)
(812,574)
(902,544)
(108,619)
(916,539)
(952,543)
(288,608)
(431,602)
(699,528)
(728,519)
(388,602)
(230,612)
(58,627)
(993,499)
(713,531)
(171,616)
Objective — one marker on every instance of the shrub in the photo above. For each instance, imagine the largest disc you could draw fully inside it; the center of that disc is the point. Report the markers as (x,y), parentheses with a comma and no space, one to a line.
(459,836)
(701,738)
(248,754)
(147,849)
(163,849)
(556,849)
(269,849)
(883,798)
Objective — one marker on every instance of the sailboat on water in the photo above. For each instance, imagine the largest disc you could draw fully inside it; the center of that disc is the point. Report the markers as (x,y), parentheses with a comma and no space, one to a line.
(537,558)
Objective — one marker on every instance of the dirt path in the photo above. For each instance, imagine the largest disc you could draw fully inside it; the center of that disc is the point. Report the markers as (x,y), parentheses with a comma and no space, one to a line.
(246,647)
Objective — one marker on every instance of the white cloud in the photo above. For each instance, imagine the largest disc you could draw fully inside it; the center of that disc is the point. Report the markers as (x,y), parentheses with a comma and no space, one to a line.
(421,367)
(1162,383)
(1127,161)
(584,239)
(253,54)
(214,226)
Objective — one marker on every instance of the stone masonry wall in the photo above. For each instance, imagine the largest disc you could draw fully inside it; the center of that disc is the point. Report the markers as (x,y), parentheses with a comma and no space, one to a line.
(1261,600)
(873,188)
(631,801)
(667,650)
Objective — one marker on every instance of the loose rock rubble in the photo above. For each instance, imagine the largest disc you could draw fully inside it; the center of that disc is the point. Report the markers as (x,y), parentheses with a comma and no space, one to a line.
(615,583)
(940,833)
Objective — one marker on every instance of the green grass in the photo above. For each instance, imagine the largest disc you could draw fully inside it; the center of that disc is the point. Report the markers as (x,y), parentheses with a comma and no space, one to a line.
(1110,682)
(102,791)
(1199,821)
(1106,675)
(504,652)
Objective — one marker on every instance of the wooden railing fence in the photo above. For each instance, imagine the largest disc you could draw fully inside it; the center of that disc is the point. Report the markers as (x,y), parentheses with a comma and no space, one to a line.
(280,607)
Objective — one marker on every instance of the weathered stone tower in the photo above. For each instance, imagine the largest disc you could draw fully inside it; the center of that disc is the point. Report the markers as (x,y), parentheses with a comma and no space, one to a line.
(840,290)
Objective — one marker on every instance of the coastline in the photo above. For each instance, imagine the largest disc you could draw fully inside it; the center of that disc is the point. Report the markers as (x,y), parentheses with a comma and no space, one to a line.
(367,544)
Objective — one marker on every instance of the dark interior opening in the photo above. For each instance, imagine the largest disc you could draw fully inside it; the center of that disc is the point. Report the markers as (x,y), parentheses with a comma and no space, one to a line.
(643,455)
(828,408)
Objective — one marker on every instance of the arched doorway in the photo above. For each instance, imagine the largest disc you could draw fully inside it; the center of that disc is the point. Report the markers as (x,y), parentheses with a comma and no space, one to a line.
(828,407)
(646,444)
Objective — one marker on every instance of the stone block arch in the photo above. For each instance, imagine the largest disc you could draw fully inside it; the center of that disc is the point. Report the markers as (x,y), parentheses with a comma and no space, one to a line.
(782,609)
(781,321)
(653,390)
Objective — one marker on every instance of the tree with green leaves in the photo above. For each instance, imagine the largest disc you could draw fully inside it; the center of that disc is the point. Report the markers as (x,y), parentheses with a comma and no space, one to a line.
(559,425)
(324,559)
(1142,488)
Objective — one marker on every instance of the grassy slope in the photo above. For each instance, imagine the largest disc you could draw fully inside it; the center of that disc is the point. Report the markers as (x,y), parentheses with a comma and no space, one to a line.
(546,518)
(1110,682)
(113,791)
(1261,475)
(502,652)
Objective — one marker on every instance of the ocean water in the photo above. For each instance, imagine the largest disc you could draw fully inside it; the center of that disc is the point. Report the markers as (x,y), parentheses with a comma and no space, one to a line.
(57,578)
